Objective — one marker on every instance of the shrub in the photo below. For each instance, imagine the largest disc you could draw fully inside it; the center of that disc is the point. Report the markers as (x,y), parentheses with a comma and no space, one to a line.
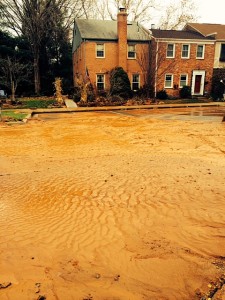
(185,91)
(162,95)
(218,88)
(76,94)
(116,100)
(101,93)
(120,83)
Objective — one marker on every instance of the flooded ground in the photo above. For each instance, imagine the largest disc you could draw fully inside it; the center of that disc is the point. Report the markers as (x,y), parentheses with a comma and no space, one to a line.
(117,205)
(198,114)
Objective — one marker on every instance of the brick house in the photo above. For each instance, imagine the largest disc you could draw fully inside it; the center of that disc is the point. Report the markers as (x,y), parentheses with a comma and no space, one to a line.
(182,57)
(101,45)
(216,31)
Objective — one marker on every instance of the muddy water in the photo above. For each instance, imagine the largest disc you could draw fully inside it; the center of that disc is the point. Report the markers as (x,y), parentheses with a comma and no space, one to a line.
(108,206)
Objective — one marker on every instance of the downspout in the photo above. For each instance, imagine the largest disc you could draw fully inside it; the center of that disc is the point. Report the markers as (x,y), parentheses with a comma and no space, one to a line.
(85,67)
(156,67)
(148,81)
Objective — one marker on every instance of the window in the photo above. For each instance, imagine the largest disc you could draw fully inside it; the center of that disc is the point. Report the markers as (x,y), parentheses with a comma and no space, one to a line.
(135,82)
(183,80)
(131,51)
(185,51)
(200,51)
(100,50)
(100,81)
(222,53)
(170,50)
(168,81)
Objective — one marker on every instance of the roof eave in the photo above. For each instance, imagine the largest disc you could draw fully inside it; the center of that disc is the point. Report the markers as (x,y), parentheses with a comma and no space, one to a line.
(185,39)
(113,40)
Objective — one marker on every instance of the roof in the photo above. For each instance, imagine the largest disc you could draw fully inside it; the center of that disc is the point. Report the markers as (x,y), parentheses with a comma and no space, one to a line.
(208,29)
(107,30)
(178,34)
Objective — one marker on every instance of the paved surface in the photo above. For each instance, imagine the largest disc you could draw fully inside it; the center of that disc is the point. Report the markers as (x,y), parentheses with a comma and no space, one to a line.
(70,103)
(117,108)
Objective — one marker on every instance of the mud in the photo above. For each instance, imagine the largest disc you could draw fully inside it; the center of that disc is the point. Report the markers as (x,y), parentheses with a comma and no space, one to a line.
(112,206)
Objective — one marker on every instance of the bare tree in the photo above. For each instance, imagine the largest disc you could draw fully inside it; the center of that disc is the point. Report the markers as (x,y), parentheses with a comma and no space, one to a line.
(13,72)
(31,19)
(138,10)
(172,16)
(177,14)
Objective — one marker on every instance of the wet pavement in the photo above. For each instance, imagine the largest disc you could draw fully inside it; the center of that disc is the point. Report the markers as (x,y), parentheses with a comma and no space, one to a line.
(185,114)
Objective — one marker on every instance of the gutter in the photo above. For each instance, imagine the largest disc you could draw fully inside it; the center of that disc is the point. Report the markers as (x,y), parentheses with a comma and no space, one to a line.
(156,66)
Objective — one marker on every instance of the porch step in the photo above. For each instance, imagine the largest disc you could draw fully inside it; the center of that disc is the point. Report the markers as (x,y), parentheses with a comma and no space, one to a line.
(202,99)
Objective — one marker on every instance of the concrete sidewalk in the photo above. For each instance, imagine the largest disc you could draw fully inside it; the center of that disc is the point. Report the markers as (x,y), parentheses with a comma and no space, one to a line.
(70,103)
(115,108)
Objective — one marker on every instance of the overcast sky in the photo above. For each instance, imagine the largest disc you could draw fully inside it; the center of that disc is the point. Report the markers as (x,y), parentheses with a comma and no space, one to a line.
(211,11)
(206,11)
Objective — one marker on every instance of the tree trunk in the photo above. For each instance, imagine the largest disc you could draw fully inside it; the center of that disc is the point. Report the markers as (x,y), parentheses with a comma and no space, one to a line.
(37,84)
(13,90)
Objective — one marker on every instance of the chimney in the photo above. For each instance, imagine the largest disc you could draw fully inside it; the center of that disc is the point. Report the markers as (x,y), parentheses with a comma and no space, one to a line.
(122,38)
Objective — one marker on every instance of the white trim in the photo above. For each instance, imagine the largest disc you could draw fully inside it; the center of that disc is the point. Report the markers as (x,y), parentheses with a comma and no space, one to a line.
(172,41)
(185,57)
(168,87)
(100,81)
(131,44)
(173,50)
(96,49)
(180,86)
(195,73)
(139,80)
(203,51)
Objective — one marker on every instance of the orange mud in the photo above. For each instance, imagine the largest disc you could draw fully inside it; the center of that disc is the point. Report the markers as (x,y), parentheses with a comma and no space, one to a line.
(112,206)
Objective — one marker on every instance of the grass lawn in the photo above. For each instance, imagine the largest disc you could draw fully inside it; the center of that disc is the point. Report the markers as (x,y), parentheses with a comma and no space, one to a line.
(36,103)
(12,115)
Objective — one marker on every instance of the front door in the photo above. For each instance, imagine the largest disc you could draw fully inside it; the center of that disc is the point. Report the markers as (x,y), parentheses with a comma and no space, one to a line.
(198,79)
(197,88)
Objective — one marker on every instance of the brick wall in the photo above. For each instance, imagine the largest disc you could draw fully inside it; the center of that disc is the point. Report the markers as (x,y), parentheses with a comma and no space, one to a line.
(177,66)
(85,57)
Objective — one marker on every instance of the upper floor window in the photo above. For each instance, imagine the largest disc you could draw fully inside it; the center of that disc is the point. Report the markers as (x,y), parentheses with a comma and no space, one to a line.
(222,53)
(131,51)
(185,51)
(135,82)
(183,80)
(100,50)
(100,81)
(200,51)
(170,52)
(168,81)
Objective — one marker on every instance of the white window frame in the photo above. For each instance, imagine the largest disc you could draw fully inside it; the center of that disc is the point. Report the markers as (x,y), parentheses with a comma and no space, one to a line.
(135,82)
(186,82)
(131,57)
(101,82)
(171,86)
(203,51)
(170,50)
(188,56)
(100,44)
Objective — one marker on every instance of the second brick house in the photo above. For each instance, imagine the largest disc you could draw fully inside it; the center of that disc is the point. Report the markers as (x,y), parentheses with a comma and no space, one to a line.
(182,58)
(217,31)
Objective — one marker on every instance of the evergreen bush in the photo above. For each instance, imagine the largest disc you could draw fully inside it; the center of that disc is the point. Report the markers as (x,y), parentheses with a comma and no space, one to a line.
(185,91)
(162,95)
(120,83)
